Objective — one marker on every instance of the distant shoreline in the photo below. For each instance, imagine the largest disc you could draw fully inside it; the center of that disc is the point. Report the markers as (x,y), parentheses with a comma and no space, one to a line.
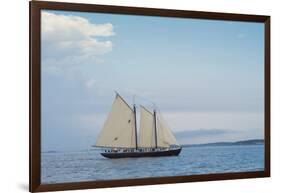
(242,142)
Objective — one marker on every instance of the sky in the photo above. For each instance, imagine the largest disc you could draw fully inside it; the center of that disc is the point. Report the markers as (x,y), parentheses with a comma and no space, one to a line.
(205,76)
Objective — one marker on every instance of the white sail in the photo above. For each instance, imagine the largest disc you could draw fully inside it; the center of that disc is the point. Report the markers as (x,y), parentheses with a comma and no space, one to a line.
(119,128)
(147,136)
(165,137)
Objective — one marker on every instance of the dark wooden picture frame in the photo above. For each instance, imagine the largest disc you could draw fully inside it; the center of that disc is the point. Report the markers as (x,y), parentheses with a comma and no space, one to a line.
(35,85)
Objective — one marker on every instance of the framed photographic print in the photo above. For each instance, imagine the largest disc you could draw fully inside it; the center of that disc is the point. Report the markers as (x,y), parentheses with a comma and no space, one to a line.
(123,96)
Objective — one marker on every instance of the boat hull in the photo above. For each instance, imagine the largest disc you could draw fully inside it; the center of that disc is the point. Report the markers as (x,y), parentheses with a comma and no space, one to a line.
(116,155)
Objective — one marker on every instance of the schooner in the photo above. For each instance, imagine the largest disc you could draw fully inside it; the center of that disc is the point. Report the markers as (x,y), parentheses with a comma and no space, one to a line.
(119,136)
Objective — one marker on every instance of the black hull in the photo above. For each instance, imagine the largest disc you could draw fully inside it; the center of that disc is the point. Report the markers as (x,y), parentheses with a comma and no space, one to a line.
(116,155)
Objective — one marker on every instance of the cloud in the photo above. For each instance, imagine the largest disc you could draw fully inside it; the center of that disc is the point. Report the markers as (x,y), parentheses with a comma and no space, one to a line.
(232,120)
(198,136)
(69,26)
(202,133)
(72,40)
(90,83)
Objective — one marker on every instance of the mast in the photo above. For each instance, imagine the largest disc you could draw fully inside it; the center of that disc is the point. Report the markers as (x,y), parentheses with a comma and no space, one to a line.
(155,130)
(136,136)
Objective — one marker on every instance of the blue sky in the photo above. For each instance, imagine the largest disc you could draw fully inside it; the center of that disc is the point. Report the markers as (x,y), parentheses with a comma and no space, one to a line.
(203,75)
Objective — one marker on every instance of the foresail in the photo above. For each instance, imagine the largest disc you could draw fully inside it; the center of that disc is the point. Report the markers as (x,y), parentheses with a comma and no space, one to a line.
(118,129)
(164,134)
(147,136)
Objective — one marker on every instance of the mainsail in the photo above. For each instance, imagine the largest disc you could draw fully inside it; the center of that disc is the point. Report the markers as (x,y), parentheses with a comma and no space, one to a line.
(119,128)
(147,134)
(165,137)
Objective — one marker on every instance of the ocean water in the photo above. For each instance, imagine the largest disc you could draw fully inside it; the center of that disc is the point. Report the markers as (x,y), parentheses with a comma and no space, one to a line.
(61,167)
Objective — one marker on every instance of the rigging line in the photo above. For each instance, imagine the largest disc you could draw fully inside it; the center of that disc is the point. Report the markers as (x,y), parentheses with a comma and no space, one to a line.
(134,99)
(146,99)
(152,104)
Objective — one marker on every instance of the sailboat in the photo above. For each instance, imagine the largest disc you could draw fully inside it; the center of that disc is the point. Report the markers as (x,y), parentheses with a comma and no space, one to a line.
(119,137)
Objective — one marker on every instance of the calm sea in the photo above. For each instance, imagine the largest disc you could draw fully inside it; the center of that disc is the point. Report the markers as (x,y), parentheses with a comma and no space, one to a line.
(90,165)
